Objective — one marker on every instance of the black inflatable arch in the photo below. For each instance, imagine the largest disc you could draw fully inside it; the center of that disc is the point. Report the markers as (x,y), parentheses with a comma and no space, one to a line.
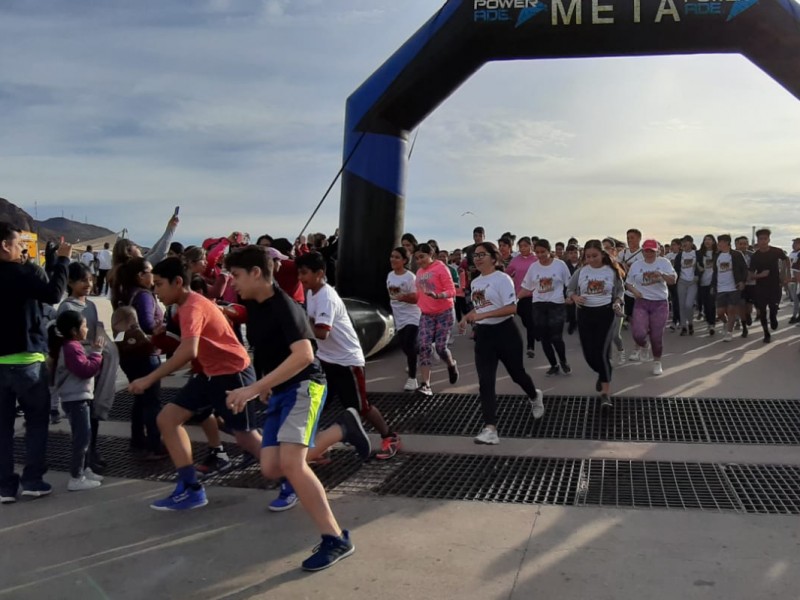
(465,34)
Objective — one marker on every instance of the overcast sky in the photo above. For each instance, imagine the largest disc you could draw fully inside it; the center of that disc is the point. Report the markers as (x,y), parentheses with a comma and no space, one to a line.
(118,111)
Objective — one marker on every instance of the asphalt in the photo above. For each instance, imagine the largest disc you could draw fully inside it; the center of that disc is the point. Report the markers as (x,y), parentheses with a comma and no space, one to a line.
(107,543)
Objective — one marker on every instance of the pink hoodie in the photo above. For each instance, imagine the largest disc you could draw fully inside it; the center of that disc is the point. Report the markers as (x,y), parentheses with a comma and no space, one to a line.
(436,278)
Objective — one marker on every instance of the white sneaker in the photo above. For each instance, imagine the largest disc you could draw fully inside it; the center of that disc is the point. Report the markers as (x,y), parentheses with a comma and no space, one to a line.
(425,390)
(635,356)
(623,358)
(537,406)
(80,484)
(657,370)
(487,436)
(411,385)
(728,337)
(91,475)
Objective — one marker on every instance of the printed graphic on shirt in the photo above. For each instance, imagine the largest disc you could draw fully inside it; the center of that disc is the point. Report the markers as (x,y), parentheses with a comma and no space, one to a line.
(651,277)
(426,284)
(546,285)
(724,267)
(596,287)
(688,263)
(709,262)
(395,292)
(479,299)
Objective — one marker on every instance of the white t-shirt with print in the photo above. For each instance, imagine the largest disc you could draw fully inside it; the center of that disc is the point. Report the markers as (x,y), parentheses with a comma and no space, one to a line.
(725,279)
(793,261)
(628,258)
(645,277)
(708,265)
(491,292)
(688,260)
(547,283)
(341,347)
(404,312)
(597,285)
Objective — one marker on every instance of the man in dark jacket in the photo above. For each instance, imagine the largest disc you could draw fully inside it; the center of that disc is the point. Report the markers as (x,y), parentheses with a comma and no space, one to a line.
(728,281)
(23,374)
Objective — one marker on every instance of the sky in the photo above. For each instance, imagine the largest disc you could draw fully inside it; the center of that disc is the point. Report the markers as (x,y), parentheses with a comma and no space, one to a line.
(115,112)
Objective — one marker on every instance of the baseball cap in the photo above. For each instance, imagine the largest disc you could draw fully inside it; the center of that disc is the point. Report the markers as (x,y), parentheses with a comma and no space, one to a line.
(650,244)
(273,253)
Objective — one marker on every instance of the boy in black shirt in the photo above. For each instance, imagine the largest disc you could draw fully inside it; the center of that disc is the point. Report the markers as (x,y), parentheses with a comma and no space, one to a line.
(294,385)
(769,266)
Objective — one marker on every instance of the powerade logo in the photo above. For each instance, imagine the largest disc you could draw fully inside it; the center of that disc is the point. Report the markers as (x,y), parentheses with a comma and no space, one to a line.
(715,7)
(503,11)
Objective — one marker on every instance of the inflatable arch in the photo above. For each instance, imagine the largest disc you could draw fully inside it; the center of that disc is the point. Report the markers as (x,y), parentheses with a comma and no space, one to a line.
(465,34)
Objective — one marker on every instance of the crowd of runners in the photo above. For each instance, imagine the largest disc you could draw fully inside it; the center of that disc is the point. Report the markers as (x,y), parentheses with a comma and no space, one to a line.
(264,322)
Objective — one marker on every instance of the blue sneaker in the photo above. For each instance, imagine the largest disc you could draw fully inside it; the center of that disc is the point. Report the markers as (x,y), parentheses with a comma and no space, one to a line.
(329,552)
(182,498)
(9,495)
(36,489)
(356,436)
(286,499)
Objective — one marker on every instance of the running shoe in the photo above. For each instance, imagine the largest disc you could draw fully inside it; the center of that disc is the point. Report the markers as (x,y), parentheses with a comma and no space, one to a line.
(91,475)
(711,330)
(331,550)
(216,460)
(389,447)
(657,369)
(728,337)
(411,385)
(82,483)
(36,489)
(425,390)
(553,370)
(605,401)
(8,495)
(767,338)
(566,368)
(623,357)
(182,498)
(635,356)
(452,371)
(773,322)
(286,499)
(684,331)
(537,406)
(531,353)
(487,437)
(355,434)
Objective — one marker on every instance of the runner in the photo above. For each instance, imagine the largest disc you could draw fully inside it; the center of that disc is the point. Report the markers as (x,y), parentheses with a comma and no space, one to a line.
(748,294)
(596,288)
(648,280)
(730,276)
(611,247)
(517,269)
(674,249)
(705,292)
(769,267)
(688,266)
(402,286)
(626,258)
(794,260)
(545,283)
(497,338)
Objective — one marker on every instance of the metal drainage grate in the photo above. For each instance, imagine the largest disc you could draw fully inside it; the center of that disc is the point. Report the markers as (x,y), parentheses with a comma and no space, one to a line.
(768,489)
(121,463)
(687,420)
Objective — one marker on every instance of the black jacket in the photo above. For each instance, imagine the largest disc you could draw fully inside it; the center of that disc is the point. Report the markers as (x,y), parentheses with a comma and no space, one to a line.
(739,268)
(23,290)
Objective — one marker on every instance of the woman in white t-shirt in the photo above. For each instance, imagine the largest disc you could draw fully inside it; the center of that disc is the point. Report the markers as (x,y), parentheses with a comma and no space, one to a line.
(545,282)
(402,287)
(596,288)
(647,281)
(497,338)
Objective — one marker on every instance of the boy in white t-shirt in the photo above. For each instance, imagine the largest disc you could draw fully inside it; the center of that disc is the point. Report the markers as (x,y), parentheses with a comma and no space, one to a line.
(339,350)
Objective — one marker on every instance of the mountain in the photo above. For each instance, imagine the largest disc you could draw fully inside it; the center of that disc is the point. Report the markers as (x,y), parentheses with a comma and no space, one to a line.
(73,231)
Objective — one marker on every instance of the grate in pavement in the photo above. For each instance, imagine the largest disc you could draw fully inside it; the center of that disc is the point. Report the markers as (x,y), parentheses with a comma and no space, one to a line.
(768,489)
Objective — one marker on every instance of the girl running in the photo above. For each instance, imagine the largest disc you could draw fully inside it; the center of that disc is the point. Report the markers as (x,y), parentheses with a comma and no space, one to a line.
(402,286)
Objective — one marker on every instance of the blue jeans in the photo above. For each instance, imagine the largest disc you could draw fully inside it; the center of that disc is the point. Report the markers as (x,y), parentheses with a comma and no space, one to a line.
(144,429)
(81,427)
(26,384)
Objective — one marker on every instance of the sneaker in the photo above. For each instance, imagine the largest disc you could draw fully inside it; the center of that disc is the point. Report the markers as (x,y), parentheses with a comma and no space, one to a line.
(215,460)
(566,369)
(531,353)
(554,370)
(623,357)
(488,437)
(673,327)
(744,331)
(356,436)
(767,338)
(182,498)
(657,370)
(286,499)
(738,325)
(635,356)
(452,371)
(711,331)
(411,385)
(793,320)
(598,385)
(537,406)
(728,337)
(684,331)
(55,417)
(36,489)
(773,322)
(605,401)
(691,329)
(425,390)
(79,484)
(91,475)
(9,495)
(389,447)
(331,550)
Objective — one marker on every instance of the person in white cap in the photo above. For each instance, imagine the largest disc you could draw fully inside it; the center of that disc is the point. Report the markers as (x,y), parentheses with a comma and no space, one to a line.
(648,280)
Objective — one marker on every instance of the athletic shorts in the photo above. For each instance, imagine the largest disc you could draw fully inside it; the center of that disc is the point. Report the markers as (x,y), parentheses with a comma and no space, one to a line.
(726,299)
(202,394)
(293,414)
(349,384)
(748,294)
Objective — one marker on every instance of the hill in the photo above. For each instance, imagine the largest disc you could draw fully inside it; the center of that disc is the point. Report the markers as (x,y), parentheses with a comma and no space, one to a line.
(73,231)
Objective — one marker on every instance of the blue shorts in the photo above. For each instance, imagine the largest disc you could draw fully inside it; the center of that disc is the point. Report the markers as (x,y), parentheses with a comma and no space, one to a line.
(292,414)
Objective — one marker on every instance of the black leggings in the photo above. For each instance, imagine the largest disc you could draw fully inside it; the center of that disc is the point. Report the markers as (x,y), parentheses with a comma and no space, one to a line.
(706,302)
(595,328)
(493,344)
(525,313)
(548,324)
(408,342)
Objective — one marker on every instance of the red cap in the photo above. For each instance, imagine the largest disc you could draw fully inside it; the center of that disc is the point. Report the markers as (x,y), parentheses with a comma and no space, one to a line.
(650,244)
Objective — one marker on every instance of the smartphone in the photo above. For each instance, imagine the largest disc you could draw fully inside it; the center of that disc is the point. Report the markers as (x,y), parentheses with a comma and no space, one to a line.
(177,210)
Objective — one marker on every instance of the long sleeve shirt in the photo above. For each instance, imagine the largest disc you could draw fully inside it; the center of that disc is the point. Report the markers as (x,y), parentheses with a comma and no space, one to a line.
(437,279)
(76,371)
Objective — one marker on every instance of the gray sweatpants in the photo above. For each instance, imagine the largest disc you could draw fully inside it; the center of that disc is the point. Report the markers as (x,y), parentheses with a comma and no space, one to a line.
(687,294)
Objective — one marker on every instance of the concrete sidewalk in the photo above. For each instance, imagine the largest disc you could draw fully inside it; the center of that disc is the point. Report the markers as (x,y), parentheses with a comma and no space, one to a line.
(107,543)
